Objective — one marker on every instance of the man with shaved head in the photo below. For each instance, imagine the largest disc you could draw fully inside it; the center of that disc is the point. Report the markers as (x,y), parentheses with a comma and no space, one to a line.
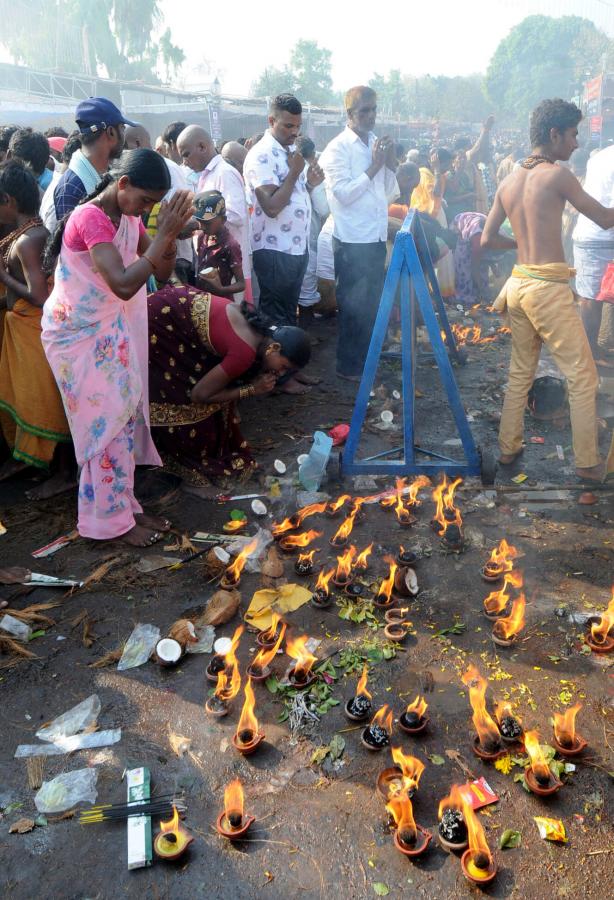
(199,153)
(137,137)
(234,153)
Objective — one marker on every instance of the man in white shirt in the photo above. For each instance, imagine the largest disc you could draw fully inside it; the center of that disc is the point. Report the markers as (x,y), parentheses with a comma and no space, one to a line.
(309,295)
(593,249)
(360,183)
(276,186)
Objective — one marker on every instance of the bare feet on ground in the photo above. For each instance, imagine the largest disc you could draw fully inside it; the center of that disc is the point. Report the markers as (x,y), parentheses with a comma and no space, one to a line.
(140,536)
(303,378)
(52,487)
(11,467)
(158,523)
(292,386)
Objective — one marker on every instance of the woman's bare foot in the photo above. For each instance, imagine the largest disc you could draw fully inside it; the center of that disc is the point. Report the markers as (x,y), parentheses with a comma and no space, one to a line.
(139,536)
(11,467)
(592,473)
(52,487)
(292,386)
(158,523)
(204,491)
(303,378)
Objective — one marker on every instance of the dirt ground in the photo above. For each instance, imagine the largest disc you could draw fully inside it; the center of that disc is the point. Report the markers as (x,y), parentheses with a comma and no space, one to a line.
(321,829)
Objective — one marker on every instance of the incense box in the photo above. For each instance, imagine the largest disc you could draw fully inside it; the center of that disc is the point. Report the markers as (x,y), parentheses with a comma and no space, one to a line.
(138,782)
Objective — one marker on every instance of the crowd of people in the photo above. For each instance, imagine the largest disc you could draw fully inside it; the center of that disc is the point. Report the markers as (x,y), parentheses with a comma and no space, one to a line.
(146,291)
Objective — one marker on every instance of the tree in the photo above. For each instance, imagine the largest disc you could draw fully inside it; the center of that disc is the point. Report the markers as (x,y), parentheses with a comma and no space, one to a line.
(543,57)
(87,36)
(307,75)
(459,99)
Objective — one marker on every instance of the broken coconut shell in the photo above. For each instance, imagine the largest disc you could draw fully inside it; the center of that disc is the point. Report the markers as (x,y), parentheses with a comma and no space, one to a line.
(272,569)
(221,608)
(168,652)
(405,582)
(183,632)
(216,561)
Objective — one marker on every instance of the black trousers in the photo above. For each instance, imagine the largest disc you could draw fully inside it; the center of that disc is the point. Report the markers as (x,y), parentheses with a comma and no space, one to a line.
(280,276)
(359,272)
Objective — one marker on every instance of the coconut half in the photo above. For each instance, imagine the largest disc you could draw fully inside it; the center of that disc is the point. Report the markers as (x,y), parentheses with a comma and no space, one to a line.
(168,652)
(280,467)
(259,508)
(387,417)
(222,646)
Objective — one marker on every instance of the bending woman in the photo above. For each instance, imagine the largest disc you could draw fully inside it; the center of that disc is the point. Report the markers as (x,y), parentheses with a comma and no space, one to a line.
(199,344)
(95,336)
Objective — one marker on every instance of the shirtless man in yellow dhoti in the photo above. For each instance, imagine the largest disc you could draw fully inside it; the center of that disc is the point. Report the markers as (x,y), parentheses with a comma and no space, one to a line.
(539,300)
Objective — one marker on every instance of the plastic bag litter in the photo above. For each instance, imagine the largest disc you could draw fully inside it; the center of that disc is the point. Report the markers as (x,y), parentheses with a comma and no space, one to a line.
(204,644)
(255,558)
(306,498)
(70,744)
(312,470)
(16,627)
(66,790)
(72,721)
(139,646)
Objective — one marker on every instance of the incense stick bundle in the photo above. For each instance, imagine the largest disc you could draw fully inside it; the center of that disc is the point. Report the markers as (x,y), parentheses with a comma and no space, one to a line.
(159,807)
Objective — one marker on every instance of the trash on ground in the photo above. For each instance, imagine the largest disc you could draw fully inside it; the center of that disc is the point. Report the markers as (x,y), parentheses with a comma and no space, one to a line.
(54,546)
(66,790)
(153,563)
(22,826)
(138,787)
(339,434)
(267,601)
(139,647)
(311,471)
(478,793)
(70,744)
(550,829)
(74,720)
(17,628)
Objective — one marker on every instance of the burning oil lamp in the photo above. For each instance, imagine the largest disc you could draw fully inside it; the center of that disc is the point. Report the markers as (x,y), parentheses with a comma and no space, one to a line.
(268,637)
(601,637)
(321,597)
(342,534)
(259,670)
(510,725)
(358,707)
(234,526)
(477,862)
(300,675)
(448,520)
(172,840)
(540,780)
(291,523)
(247,737)
(232,575)
(304,563)
(293,542)
(377,734)
(384,595)
(452,828)
(409,838)
(566,740)
(354,589)
(414,720)
(396,616)
(501,560)
(487,744)
(405,517)
(406,557)
(217,665)
(232,823)
(403,777)
(223,661)
(505,631)
(333,508)
(357,509)
(361,563)
(227,686)
(343,572)
(495,604)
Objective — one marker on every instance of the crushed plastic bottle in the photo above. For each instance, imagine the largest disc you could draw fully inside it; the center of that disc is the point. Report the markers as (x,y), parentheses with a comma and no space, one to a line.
(312,469)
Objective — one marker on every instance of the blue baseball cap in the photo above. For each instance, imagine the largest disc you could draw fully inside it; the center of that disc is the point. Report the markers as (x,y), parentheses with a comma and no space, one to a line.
(97,113)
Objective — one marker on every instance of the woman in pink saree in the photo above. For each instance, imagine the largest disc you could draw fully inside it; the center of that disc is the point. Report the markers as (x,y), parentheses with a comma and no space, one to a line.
(95,337)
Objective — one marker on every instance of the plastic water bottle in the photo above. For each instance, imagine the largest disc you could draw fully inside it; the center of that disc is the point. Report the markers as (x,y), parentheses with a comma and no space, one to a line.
(311,471)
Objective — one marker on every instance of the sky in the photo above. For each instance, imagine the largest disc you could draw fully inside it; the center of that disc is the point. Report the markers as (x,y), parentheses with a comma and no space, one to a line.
(365,37)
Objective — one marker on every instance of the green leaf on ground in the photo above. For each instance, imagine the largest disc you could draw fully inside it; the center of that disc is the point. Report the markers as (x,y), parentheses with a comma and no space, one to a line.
(272,684)
(381,889)
(510,839)
(436,759)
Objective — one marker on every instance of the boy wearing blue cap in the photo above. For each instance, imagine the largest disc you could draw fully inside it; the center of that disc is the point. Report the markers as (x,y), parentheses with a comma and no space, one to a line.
(219,259)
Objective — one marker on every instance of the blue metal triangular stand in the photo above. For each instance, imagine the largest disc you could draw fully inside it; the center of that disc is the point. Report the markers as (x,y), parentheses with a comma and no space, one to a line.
(411,271)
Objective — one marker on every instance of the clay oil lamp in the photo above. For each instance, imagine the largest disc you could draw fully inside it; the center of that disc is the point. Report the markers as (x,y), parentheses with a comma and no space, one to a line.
(601,636)
(540,780)
(406,557)
(259,668)
(384,597)
(403,777)
(332,508)
(232,822)
(267,638)
(291,542)
(172,840)
(409,839)
(452,828)
(234,526)
(510,726)
(440,494)
(397,631)
(300,675)
(501,560)
(304,564)
(342,534)
(361,563)
(487,744)
(505,631)
(376,735)
(232,574)
(496,604)
(217,665)
(405,517)
(358,707)
(291,523)
(448,521)
(321,597)
(228,681)
(357,510)
(566,740)
(414,720)
(247,736)
(396,616)
(406,582)
(343,572)
(354,589)
(417,484)
(220,661)
(477,862)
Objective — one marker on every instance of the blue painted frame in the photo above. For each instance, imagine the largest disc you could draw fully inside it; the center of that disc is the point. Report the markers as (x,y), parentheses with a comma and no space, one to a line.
(416,284)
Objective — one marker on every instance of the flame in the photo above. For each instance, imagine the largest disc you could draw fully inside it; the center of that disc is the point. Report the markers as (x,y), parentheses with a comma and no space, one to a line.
(411,768)
(504,329)
(310,510)
(361,560)
(503,710)
(565,725)
(485,726)
(418,483)
(511,625)
(454,800)
(383,718)
(323,579)
(477,842)
(234,525)
(288,524)
(233,572)
(470,334)
(227,688)
(385,588)
(345,529)
(248,721)
(269,634)
(400,808)
(172,824)
(262,659)
(419,706)
(361,687)
(306,557)
(294,541)
(600,629)
(344,564)
(304,660)
(535,754)
(443,495)
(502,557)
(497,600)
(233,802)
(338,503)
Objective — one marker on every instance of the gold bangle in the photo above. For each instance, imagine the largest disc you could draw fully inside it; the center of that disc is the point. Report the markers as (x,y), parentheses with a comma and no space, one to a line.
(243,392)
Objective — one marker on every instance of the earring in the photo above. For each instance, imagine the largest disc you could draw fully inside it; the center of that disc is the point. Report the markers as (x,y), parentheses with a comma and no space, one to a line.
(272,348)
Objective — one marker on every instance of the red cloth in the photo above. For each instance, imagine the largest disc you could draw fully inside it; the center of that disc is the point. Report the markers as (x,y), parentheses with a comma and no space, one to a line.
(237,355)
(88,225)
(606,294)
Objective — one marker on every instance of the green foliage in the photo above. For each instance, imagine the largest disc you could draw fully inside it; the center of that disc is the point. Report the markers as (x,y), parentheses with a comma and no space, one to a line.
(358,611)
(458,99)
(543,57)
(510,839)
(307,75)
(333,751)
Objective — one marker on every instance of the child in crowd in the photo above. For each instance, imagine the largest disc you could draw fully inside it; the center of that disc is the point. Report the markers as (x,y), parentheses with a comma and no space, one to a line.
(216,248)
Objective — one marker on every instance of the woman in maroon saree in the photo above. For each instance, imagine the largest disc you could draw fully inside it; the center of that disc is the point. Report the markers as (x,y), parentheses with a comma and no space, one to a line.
(199,344)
